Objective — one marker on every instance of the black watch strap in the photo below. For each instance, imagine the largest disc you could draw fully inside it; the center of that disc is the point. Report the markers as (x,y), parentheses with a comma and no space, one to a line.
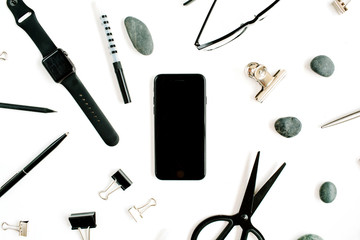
(26,19)
(62,70)
(73,84)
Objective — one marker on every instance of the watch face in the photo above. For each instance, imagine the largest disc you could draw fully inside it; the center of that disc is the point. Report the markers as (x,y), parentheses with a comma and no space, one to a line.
(58,65)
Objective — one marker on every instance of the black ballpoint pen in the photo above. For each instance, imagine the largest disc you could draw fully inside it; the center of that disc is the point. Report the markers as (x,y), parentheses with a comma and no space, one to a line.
(18,176)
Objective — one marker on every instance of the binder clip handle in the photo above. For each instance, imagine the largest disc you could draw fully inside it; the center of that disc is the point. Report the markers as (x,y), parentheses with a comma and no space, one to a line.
(105,193)
(87,234)
(120,179)
(3,56)
(140,210)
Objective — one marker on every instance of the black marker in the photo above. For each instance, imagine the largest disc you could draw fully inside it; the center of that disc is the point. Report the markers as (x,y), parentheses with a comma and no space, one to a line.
(18,176)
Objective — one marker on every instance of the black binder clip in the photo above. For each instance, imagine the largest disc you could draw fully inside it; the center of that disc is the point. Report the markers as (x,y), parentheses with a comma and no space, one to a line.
(85,221)
(121,180)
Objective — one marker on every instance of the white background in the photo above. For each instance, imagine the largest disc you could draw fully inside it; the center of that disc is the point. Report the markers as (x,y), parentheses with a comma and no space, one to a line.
(69,179)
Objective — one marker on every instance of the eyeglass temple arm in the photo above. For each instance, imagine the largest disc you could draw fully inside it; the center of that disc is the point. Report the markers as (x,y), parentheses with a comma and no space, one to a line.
(266,9)
(229,34)
(203,26)
(187,2)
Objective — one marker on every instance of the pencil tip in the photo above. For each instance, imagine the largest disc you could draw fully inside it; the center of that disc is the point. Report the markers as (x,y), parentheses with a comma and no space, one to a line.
(328,125)
(67,133)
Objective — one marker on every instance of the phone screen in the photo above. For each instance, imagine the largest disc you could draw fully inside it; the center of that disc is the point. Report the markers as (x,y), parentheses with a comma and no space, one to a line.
(179,108)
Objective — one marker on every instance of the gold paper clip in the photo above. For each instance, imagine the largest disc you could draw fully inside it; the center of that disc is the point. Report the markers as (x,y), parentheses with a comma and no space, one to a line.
(340,6)
(137,212)
(264,78)
(22,228)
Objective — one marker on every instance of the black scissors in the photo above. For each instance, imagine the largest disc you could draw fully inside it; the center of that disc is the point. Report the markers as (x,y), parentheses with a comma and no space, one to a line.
(247,209)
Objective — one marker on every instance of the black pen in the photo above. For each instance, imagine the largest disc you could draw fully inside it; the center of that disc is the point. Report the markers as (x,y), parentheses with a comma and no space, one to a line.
(25,108)
(18,176)
(116,63)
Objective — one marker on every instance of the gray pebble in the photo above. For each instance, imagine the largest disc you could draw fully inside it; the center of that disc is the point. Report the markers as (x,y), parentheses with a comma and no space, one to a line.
(310,237)
(288,126)
(323,66)
(139,35)
(327,192)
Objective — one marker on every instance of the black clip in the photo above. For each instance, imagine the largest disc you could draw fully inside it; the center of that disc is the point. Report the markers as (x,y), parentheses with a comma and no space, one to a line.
(122,182)
(80,221)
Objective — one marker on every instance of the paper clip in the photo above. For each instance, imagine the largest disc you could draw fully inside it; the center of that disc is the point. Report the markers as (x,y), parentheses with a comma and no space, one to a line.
(22,228)
(3,56)
(85,221)
(138,211)
(122,182)
(264,78)
(340,6)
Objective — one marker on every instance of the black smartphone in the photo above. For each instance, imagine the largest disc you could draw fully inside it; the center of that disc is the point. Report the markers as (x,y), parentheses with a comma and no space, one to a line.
(180,127)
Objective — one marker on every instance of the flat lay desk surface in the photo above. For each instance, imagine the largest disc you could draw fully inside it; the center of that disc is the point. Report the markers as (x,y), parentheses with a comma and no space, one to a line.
(69,179)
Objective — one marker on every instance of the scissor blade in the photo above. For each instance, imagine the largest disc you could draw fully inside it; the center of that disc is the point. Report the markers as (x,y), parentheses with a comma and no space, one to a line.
(265,188)
(248,200)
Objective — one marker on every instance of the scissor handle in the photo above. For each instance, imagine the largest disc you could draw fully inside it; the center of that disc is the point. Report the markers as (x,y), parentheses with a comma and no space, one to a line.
(232,221)
(253,230)
(212,219)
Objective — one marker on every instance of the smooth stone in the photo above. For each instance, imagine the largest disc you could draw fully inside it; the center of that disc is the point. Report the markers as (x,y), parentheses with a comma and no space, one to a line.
(323,66)
(310,237)
(139,35)
(288,126)
(327,192)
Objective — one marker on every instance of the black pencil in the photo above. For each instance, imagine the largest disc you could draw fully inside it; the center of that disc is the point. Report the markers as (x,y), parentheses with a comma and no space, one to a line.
(18,176)
(25,108)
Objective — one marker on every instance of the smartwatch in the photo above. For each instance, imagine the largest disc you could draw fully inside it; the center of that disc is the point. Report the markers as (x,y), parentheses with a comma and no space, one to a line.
(62,70)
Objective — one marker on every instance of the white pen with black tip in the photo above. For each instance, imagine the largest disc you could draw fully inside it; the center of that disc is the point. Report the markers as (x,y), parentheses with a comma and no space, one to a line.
(113,52)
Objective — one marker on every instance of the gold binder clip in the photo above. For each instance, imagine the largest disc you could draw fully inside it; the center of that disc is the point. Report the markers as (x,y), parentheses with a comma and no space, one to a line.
(138,211)
(340,6)
(22,228)
(264,78)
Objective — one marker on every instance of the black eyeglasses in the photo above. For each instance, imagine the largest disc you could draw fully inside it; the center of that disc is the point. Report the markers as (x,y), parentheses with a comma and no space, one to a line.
(230,36)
